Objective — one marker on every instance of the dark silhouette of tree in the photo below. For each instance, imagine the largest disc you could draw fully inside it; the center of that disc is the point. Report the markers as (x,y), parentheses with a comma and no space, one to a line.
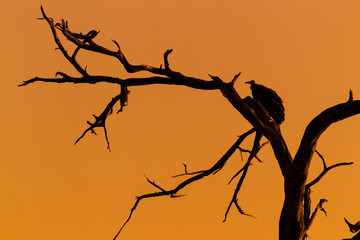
(297,214)
(353,228)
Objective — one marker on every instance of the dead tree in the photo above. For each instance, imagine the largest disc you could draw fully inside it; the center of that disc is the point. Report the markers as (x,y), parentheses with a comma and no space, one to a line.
(353,228)
(297,215)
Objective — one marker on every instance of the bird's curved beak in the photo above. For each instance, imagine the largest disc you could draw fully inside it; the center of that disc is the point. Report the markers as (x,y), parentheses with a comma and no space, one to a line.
(248,82)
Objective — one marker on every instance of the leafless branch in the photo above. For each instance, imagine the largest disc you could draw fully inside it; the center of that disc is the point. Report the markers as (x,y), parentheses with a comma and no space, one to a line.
(321,157)
(101,119)
(189,82)
(308,219)
(187,173)
(325,170)
(317,126)
(166,62)
(167,76)
(216,167)
(351,98)
(155,185)
(235,78)
(320,207)
(248,151)
(294,170)
(245,150)
(72,59)
(254,151)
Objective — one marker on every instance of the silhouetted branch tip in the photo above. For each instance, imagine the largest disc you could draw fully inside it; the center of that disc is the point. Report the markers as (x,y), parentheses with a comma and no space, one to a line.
(173,193)
(242,158)
(235,78)
(188,173)
(322,158)
(257,112)
(64,75)
(117,44)
(322,201)
(255,149)
(325,169)
(353,227)
(351,98)
(154,184)
(166,61)
(241,211)
(185,168)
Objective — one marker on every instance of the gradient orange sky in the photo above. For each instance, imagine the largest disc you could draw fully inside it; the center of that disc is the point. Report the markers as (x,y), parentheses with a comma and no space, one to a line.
(308,51)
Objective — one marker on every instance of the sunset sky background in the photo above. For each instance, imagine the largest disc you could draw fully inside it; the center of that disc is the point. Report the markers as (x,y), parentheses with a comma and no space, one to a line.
(308,51)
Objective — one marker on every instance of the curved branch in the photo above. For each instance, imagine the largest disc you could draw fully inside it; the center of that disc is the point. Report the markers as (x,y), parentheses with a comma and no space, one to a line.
(270,129)
(317,126)
(166,61)
(215,168)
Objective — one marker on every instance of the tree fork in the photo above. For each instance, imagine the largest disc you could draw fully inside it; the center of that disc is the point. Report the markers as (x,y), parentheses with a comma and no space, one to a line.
(295,217)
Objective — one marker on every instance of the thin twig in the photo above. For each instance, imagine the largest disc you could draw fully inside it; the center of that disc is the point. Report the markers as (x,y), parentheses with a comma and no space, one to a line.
(50,21)
(255,149)
(186,172)
(235,78)
(100,120)
(216,167)
(154,184)
(166,61)
(326,169)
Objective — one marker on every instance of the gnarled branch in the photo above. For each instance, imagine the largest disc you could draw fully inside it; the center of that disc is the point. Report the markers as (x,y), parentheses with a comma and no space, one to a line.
(317,126)
(167,76)
(215,168)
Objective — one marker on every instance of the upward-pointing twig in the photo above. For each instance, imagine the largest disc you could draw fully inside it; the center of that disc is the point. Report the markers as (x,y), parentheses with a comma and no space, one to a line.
(326,169)
(215,168)
(255,149)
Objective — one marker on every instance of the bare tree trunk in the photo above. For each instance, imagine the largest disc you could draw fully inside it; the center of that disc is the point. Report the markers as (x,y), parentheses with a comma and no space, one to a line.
(295,217)
(356,237)
(292,226)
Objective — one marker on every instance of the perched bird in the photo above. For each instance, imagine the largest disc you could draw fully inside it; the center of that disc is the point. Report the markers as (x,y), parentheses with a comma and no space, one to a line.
(353,228)
(269,99)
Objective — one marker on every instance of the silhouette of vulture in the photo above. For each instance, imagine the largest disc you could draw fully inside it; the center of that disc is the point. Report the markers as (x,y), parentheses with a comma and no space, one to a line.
(353,228)
(269,100)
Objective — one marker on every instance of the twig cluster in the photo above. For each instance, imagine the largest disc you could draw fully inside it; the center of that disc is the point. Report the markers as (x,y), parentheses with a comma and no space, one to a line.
(309,218)
(294,169)
(197,176)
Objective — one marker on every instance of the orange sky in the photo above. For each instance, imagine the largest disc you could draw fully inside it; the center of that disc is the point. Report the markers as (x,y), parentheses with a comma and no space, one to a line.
(308,51)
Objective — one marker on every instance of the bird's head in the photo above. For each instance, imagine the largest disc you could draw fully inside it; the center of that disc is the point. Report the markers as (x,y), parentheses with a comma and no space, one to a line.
(251,82)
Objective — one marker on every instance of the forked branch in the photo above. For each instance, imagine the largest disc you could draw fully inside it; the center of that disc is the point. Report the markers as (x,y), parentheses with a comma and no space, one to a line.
(309,218)
(325,169)
(101,119)
(255,149)
(250,109)
(172,193)
(164,76)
